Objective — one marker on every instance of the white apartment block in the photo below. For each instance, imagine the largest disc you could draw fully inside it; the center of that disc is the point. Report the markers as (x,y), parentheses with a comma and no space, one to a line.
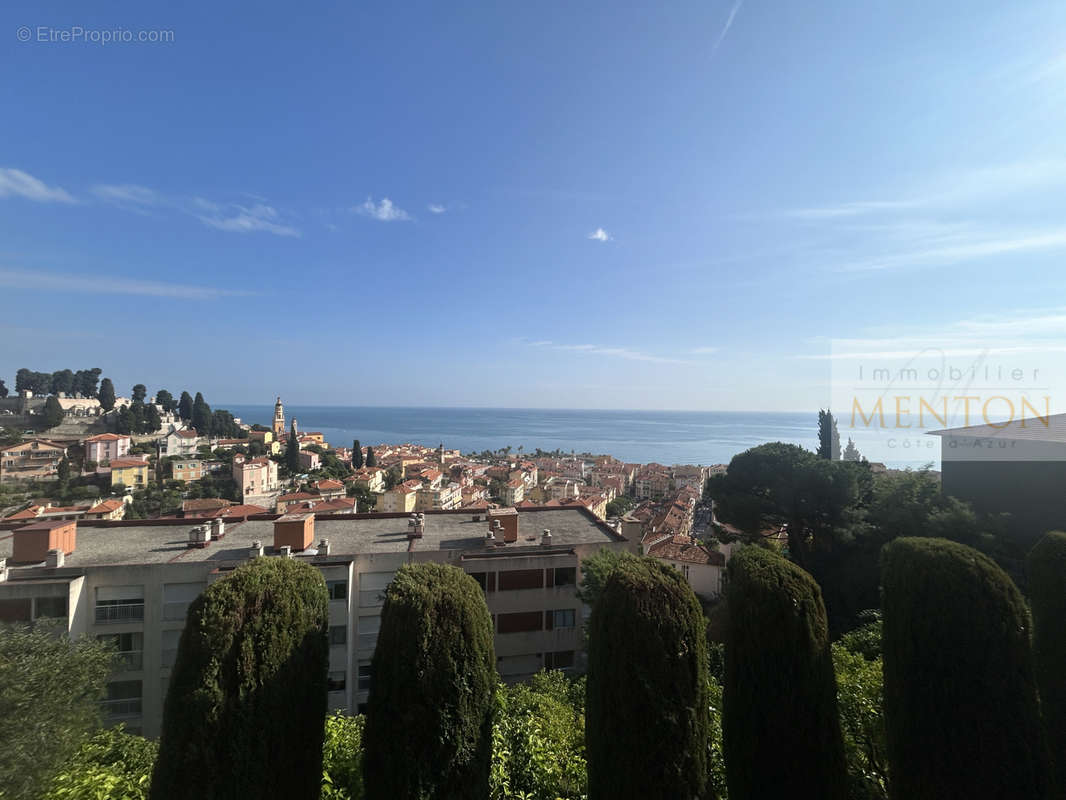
(133,583)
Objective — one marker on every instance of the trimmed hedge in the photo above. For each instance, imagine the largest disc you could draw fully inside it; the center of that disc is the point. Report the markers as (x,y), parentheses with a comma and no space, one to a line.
(1046,566)
(780,723)
(245,712)
(429,716)
(647,717)
(961,709)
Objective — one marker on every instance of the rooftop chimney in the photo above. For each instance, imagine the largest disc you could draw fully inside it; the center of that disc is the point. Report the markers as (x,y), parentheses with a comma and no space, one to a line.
(256,549)
(285,551)
(546,537)
(323,547)
(54,558)
(218,528)
(296,530)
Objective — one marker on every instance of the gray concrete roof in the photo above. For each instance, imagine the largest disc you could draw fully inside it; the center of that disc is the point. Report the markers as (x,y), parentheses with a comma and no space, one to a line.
(153,544)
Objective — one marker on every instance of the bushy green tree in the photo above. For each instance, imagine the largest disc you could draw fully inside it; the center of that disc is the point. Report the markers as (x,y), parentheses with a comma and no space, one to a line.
(112,764)
(166,400)
(429,718)
(596,569)
(53,412)
(201,415)
(648,707)
(245,711)
(538,739)
(50,688)
(1047,584)
(780,689)
(960,694)
(342,758)
(106,394)
(860,698)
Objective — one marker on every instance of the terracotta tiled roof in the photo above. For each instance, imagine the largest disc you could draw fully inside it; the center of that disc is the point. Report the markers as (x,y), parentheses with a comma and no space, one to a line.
(205,504)
(124,463)
(328,484)
(106,437)
(681,548)
(106,507)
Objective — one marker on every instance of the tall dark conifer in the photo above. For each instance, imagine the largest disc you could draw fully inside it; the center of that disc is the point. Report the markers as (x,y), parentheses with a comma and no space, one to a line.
(357,455)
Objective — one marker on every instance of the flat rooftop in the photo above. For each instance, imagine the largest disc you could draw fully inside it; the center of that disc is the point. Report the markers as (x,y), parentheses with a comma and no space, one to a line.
(107,545)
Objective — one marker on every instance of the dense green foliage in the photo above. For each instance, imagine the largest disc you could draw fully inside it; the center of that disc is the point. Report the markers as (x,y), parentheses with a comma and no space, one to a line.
(50,688)
(357,455)
(82,382)
(185,407)
(292,450)
(166,400)
(860,698)
(647,718)
(780,690)
(429,719)
(828,436)
(960,695)
(371,459)
(107,394)
(538,750)
(52,415)
(838,515)
(247,699)
(342,758)
(112,765)
(596,569)
(1047,583)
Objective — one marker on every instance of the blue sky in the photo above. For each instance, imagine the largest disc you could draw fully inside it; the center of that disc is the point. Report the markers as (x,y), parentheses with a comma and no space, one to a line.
(581,205)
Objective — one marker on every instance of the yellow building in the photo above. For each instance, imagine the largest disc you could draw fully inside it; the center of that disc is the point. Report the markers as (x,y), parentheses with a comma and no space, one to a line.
(131,472)
(399,499)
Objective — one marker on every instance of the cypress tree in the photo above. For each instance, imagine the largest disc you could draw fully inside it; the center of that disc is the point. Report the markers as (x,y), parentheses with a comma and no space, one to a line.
(292,450)
(647,718)
(245,711)
(371,459)
(429,718)
(357,455)
(106,395)
(1046,567)
(201,415)
(185,406)
(53,412)
(961,713)
(780,724)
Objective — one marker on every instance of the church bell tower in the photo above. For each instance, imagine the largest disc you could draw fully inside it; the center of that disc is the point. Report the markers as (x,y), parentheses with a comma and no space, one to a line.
(279,419)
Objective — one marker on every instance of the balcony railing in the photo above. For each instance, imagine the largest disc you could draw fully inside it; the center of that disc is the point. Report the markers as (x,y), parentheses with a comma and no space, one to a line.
(120,612)
(129,661)
(129,707)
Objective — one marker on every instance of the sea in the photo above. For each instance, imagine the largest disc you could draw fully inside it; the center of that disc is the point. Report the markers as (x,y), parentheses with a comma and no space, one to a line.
(666,437)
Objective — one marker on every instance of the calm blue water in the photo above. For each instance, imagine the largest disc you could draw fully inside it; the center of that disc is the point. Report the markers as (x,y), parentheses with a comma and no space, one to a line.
(668,437)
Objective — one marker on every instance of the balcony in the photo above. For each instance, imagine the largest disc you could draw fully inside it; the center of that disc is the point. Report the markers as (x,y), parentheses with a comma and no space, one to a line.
(129,661)
(120,612)
(118,709)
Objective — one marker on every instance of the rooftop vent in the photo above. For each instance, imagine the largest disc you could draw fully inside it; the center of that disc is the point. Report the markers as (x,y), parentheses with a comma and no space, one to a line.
(54,558)
(285,551)
(218,528)
(256,550)
(546,537)
(200,536)
(323,547)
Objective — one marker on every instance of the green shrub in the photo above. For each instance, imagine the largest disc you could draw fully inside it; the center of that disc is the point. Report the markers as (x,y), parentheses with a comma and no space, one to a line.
(780,718)
(960,696)
(1046,566)
(429,716)
(246,705)
(342,758)
(112,764)
(648,703)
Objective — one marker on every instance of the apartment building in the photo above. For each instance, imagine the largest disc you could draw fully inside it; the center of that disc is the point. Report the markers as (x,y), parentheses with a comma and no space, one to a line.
(129,584)
(129,472)
(187,469)
(33,460)
(255,476)
(106,446)
(439,498)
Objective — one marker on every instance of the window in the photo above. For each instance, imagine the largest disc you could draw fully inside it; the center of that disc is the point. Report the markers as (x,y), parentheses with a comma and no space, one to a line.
(128,650)
(515,666)
(561,618)
(520,622)
(176,599)
(55,607)
(365,674)
(372,586)
(336,682)
(486,580)
(170,647)
(119,604)
(368,632)
(17,610)
(338,634)
(521,579)
(565,576)
(561,659)
(123,699)
(338,590)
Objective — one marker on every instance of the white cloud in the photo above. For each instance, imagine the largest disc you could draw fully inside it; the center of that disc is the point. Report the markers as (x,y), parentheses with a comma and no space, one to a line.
(245,219)
(703,351)
(613,352)
(127,193)
(384,211)
(107,284)
(16,183)
(728,24)
(435,208)
(600,235)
